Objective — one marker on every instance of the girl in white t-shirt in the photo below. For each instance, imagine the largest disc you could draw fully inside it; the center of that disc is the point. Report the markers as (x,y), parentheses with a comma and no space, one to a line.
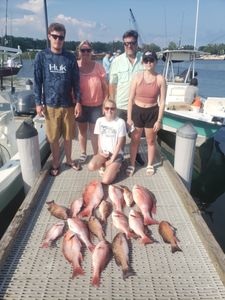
(111,132)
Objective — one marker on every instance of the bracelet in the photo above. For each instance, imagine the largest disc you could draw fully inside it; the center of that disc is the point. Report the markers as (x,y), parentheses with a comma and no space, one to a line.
(160,121)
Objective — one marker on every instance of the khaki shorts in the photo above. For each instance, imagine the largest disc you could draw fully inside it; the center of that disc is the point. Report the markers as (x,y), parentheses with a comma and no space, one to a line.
(59,121)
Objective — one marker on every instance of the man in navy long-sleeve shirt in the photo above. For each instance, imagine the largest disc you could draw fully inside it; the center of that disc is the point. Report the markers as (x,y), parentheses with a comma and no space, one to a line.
(57,94)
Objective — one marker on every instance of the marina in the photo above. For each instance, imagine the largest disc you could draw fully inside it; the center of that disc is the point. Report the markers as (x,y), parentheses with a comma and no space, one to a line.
(31,272)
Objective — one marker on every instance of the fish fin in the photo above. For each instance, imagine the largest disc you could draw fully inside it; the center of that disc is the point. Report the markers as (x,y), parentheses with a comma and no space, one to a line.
(149,221)
(154,207)
(95,280)
(175,248)
(146,240)
(127,273)
(77,271)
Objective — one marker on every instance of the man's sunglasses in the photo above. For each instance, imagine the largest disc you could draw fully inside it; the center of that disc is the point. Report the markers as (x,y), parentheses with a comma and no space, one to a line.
(58,37)
(85,50)
(133,43)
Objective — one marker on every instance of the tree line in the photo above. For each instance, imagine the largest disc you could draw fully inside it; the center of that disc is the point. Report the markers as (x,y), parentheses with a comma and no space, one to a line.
(30,44)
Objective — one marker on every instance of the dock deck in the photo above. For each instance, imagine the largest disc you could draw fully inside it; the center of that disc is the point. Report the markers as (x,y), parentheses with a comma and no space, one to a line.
(30,272)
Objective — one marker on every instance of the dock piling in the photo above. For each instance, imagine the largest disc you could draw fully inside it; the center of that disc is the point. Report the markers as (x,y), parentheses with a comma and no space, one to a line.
(184,153)
(28,147)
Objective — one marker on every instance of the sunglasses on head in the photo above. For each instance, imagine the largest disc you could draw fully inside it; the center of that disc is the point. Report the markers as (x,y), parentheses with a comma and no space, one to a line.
(85,50)
(133,43)
(109,108)
(59,37)
(147,60)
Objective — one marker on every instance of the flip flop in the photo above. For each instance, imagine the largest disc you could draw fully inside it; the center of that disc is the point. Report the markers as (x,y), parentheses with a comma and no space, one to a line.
(150,170)
(54,171)
(75,166)
(83,158)
(130,171)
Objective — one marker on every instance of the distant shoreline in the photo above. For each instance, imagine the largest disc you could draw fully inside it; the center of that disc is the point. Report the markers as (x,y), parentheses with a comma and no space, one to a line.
(212,57)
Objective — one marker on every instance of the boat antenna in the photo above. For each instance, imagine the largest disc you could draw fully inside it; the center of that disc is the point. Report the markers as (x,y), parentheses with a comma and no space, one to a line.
(46,22)
(181,31)
(196,25)
(134,22)
(6,23)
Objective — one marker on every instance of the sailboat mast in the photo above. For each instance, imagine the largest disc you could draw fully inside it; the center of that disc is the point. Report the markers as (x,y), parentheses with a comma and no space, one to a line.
(196,25)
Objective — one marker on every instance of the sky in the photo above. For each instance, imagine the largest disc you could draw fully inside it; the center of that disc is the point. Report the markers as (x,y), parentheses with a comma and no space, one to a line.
(158,21)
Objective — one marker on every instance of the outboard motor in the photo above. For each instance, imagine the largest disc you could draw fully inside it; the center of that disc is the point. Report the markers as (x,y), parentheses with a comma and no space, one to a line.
(25,103)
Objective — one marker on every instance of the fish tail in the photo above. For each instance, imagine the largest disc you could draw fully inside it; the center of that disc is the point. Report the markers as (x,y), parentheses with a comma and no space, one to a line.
(91,247)
(45,244)
(96,280)
(175,248)
(149,221)
(85,212)
(77,271)
(127,273)
(130,235)
(146,240)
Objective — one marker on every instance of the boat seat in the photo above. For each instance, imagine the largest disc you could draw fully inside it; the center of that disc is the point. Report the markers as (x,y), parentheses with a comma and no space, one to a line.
(178,106)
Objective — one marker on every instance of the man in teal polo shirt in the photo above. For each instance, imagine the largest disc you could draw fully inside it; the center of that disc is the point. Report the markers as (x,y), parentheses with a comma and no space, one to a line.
(122,70)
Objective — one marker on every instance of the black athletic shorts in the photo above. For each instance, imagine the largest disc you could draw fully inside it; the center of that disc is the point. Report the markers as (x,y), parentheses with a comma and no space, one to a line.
(144,117)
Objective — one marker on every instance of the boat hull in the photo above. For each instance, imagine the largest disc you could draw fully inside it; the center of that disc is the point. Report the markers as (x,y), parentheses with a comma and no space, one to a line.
(9,71)
(11,177)
(205,130)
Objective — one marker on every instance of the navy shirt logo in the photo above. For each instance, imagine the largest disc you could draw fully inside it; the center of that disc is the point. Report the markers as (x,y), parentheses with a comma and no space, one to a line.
(55,69)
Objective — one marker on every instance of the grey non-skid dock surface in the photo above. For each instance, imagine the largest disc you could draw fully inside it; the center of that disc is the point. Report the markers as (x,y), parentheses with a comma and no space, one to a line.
(31,272)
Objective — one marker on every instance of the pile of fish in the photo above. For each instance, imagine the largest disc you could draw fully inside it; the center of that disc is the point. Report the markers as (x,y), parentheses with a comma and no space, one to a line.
(89,215)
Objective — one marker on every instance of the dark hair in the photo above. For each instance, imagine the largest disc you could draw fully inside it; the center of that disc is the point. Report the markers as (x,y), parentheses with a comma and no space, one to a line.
(131,33)
(56,27)
(194,81)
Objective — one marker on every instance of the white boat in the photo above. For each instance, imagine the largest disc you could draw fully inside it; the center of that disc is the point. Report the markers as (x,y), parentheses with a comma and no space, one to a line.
(179,68)
(10,61)
(11,182)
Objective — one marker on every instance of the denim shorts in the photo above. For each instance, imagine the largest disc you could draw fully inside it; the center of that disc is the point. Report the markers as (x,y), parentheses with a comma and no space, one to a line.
(90,114)
(119,158)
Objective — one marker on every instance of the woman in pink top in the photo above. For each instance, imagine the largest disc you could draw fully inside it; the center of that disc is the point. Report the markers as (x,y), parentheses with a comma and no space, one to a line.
(93,90)
(145,110)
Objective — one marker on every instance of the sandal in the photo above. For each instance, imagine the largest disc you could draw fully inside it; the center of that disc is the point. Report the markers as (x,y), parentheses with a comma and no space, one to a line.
(75,166)
(130,171)
(54,171)
(83,158)
(101,171)
(150,170)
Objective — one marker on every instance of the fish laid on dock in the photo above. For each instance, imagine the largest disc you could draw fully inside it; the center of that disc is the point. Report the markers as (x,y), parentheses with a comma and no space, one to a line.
(121,254)
(58,211)
(71,249)
(92,197)
(146,201)
(168,235)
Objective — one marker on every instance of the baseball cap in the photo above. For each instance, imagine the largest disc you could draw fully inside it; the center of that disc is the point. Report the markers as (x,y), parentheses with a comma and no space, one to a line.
(149,55)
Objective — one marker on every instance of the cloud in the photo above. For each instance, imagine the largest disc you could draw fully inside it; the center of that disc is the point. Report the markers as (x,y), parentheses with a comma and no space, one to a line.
(35,6)
(81,29)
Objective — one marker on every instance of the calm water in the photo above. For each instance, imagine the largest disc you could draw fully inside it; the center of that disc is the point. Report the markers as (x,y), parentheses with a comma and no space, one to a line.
(211,78)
